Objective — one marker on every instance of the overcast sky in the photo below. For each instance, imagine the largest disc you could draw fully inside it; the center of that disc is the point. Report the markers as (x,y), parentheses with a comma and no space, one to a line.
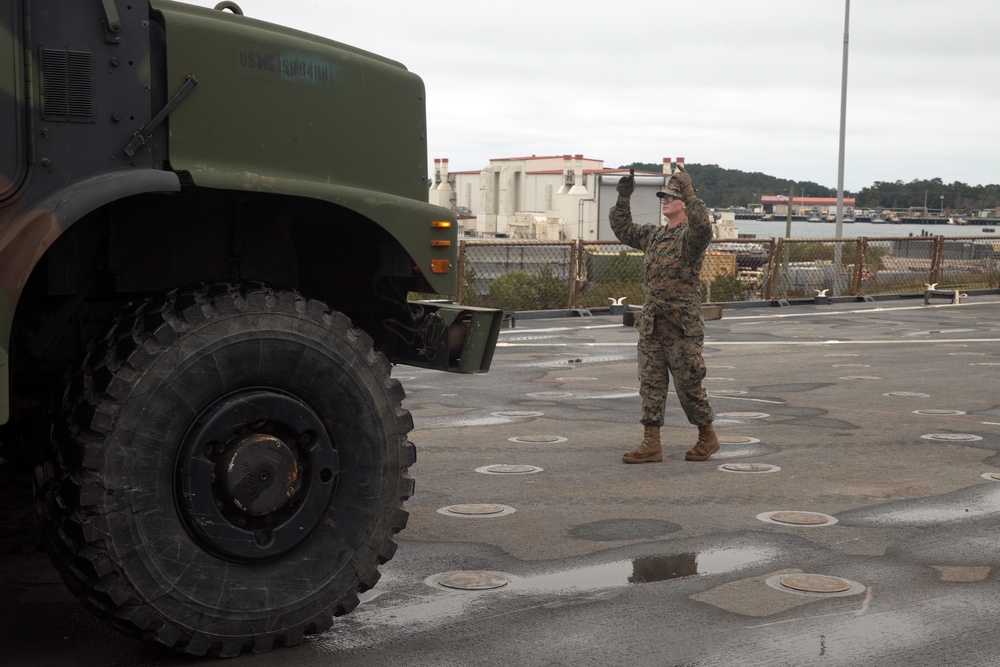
(745,85)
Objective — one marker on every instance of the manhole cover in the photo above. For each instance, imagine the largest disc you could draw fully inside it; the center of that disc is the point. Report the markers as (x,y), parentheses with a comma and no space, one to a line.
(815,583)
(907,394)
(509,469)
(737,440)
(743,415)
(951,437)
(749,467)
(721,379)
(938,412)
(518,413)
(861,377)
(726,392)
(537,439)
(550,394)
(477,510)
(471,580)
(799,518)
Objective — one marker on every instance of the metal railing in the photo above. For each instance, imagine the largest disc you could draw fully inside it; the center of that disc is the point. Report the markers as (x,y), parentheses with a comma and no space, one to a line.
(519,275)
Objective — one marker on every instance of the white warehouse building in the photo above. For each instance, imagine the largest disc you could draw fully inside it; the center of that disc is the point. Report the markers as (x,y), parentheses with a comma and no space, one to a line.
(553,198)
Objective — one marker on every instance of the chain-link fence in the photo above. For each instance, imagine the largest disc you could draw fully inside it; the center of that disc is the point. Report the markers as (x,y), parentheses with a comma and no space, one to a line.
(803,268)
(517,275)
(968,263)
(521,275)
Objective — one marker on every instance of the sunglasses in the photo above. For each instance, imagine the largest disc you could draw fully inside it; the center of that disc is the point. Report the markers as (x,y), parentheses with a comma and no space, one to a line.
(668,198)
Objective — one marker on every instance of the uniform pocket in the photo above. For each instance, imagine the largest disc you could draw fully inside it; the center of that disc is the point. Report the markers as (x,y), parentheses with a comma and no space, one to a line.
(692,323)
(645,322)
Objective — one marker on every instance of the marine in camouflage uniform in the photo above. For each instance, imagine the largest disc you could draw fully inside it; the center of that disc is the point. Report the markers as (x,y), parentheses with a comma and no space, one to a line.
(671,328)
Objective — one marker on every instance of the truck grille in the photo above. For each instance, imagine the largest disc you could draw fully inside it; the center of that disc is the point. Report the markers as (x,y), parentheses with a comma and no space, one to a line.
(68,84)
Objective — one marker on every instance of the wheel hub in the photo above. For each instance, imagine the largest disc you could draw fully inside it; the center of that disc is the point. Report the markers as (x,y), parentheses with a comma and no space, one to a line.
(255,474)
(260,472)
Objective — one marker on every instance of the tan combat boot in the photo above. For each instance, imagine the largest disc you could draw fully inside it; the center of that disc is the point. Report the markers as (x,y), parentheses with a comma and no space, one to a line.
(649,451)
(708,444)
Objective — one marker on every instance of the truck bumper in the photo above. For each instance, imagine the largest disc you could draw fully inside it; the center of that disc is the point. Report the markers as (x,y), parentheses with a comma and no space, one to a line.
(450,337)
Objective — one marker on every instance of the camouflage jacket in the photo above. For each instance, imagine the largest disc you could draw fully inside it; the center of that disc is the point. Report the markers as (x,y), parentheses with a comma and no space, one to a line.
(672,260)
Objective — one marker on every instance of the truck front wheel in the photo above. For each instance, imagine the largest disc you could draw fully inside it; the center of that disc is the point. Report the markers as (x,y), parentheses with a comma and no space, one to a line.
(229,471)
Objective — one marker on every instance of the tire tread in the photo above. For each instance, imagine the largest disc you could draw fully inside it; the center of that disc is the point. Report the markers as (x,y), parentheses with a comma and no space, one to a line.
(70,501)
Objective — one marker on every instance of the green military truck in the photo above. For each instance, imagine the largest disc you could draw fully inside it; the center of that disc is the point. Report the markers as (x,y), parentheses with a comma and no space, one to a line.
(209,230)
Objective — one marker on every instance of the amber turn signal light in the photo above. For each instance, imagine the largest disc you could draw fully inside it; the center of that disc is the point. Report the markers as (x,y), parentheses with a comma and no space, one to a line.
(440,265)
(440,243)
(441,224)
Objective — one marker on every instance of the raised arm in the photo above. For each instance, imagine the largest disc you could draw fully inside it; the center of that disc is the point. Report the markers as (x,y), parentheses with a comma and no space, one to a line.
(620,215)
(700,225)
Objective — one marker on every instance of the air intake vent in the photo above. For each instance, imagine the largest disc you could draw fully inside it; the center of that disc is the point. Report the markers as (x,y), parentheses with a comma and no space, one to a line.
(68,88)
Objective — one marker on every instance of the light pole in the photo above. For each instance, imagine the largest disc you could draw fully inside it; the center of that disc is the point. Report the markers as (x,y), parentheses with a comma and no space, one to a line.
(840,162)
(941,197)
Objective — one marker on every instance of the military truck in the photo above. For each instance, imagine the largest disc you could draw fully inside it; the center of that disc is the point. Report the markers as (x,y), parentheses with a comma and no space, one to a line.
(214,239)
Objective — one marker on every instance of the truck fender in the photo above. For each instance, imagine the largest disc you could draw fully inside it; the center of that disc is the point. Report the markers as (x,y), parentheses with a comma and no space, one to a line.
(25,238)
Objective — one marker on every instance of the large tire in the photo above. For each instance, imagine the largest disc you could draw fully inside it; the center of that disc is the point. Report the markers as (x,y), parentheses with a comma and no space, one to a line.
(229,471)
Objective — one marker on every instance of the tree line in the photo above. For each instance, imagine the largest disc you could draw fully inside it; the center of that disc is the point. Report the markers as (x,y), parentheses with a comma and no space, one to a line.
(728,188)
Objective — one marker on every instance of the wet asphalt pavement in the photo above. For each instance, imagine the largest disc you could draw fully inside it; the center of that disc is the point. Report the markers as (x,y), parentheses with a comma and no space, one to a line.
(873,427)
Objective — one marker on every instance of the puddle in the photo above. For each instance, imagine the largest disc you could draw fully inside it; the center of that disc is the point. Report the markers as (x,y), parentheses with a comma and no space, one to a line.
(576,359)
(979,502)
(495,419)
(792,388)
(927,332)
(645,570)
(630,393)
(512,339)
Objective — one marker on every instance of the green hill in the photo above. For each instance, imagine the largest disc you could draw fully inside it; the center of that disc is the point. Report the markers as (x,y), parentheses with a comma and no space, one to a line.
(724,188)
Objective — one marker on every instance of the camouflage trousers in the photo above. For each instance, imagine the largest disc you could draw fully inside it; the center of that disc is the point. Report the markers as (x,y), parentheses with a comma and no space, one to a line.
(665,350)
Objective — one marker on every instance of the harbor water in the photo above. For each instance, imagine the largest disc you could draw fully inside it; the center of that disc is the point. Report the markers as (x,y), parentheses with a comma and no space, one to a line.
(767,229)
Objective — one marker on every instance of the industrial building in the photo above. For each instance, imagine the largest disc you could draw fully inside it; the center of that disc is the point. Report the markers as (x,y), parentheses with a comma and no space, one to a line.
(553,198)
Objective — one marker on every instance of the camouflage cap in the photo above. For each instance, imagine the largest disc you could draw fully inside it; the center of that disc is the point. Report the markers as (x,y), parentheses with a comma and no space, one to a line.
(670,191)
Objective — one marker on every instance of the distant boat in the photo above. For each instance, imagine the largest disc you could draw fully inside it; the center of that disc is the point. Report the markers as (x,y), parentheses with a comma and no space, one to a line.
(814,218)
(989,229)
